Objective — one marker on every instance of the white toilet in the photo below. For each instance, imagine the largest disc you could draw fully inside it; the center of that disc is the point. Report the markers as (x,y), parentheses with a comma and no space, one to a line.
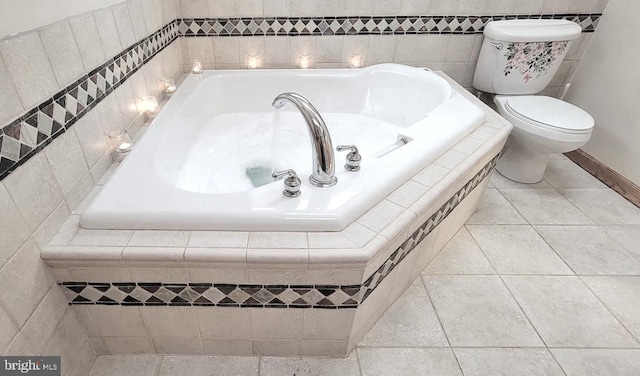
(519,58)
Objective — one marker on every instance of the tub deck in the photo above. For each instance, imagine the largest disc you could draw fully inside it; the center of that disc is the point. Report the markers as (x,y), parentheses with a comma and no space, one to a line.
(271,293)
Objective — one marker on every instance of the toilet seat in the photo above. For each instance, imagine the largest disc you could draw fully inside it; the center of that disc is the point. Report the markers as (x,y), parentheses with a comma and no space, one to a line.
(549,113)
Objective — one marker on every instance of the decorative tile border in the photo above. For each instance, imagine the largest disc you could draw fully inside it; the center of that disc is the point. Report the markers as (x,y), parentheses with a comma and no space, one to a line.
(33,131)
(361,25)
(263,296)
(29,134)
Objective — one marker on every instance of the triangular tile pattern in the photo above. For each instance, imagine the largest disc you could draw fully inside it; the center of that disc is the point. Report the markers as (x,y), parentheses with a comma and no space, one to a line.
(24,137)
(263,296)
(362,25)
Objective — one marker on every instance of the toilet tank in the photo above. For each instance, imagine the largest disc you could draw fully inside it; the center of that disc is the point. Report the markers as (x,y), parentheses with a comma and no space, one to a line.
(522,56)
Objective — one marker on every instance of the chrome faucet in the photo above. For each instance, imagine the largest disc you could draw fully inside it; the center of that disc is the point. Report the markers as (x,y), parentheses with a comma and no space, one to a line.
(323,173)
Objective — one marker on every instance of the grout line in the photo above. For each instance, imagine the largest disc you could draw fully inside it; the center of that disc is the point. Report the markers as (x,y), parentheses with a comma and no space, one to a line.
(608,309)
(522,310)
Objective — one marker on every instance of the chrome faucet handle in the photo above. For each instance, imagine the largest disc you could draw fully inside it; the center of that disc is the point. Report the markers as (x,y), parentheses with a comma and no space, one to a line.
(291,182)
(353,158)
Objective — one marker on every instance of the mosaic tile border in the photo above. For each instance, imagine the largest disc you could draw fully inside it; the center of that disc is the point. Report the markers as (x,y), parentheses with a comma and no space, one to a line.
(34,130)
(359,25)
(263,296)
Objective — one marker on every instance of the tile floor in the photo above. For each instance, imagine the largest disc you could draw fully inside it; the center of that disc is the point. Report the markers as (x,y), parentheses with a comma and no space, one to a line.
(543,280)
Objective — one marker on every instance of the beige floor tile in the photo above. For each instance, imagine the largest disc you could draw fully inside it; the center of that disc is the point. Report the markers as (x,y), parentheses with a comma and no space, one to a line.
(479,311)
(603,206)
(460,256)
(566,174)
(208,365)
(507,362)
(622,296)
(588,250)
(495,209)
(384,361)
(501,182)
(139,365)
(410,321)
(517,249)
(566,314)
(276,366)
(600,362)
(627,235)
(545,206)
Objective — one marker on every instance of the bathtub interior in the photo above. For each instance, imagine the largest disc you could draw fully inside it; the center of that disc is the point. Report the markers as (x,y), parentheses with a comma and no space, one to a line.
(195,168)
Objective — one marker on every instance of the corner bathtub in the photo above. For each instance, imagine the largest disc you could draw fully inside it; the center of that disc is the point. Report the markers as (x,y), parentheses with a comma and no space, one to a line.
(192,170)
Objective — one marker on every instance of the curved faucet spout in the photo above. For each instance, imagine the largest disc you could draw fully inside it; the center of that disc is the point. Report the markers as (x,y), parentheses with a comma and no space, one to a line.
(322,154)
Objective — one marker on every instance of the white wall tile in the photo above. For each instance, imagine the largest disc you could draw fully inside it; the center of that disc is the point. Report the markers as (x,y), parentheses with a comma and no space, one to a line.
(117,321)
(381,49)
(443,7)
(528,6)
(83,360)
(45,318)
(224,322)
(137,19)
(13,230)
(386,7)
(123,24)
(331,8)
(182,321)
(108,32)
(152,12)
(51,225)
(91,137)
(88,40)
(126,102)
(8,330)
(170,345)
(34,190)
(29,68)
(273,323)
(30,280)
(415,6)
(128,345)
(62,51)
(329,49)
(276,52)
(249,8)
(223,8)
(327,324)
(358,7)
(66,161)
(302,8)
(201,49)
(9,101)
(195,8)
(225,50)
(277,8)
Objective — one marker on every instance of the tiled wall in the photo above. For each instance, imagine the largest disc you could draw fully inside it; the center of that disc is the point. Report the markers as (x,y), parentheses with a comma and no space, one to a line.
(454,53)
(37,71)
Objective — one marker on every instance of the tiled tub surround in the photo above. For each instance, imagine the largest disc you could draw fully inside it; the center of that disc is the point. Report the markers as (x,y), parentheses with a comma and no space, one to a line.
(323,270)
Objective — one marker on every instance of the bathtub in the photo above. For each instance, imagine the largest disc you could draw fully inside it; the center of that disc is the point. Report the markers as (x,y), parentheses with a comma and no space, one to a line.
(204,162)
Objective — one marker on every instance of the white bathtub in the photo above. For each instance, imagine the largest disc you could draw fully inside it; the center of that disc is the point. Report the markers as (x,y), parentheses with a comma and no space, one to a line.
(189,171)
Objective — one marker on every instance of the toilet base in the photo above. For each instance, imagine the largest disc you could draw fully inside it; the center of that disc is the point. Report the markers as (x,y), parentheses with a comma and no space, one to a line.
(522,164)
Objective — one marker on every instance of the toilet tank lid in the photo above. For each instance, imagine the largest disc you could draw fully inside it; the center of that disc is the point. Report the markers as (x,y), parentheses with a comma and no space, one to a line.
(532,30)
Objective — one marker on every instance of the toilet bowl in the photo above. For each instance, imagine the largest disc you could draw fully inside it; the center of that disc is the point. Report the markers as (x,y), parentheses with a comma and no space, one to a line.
(541,126)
